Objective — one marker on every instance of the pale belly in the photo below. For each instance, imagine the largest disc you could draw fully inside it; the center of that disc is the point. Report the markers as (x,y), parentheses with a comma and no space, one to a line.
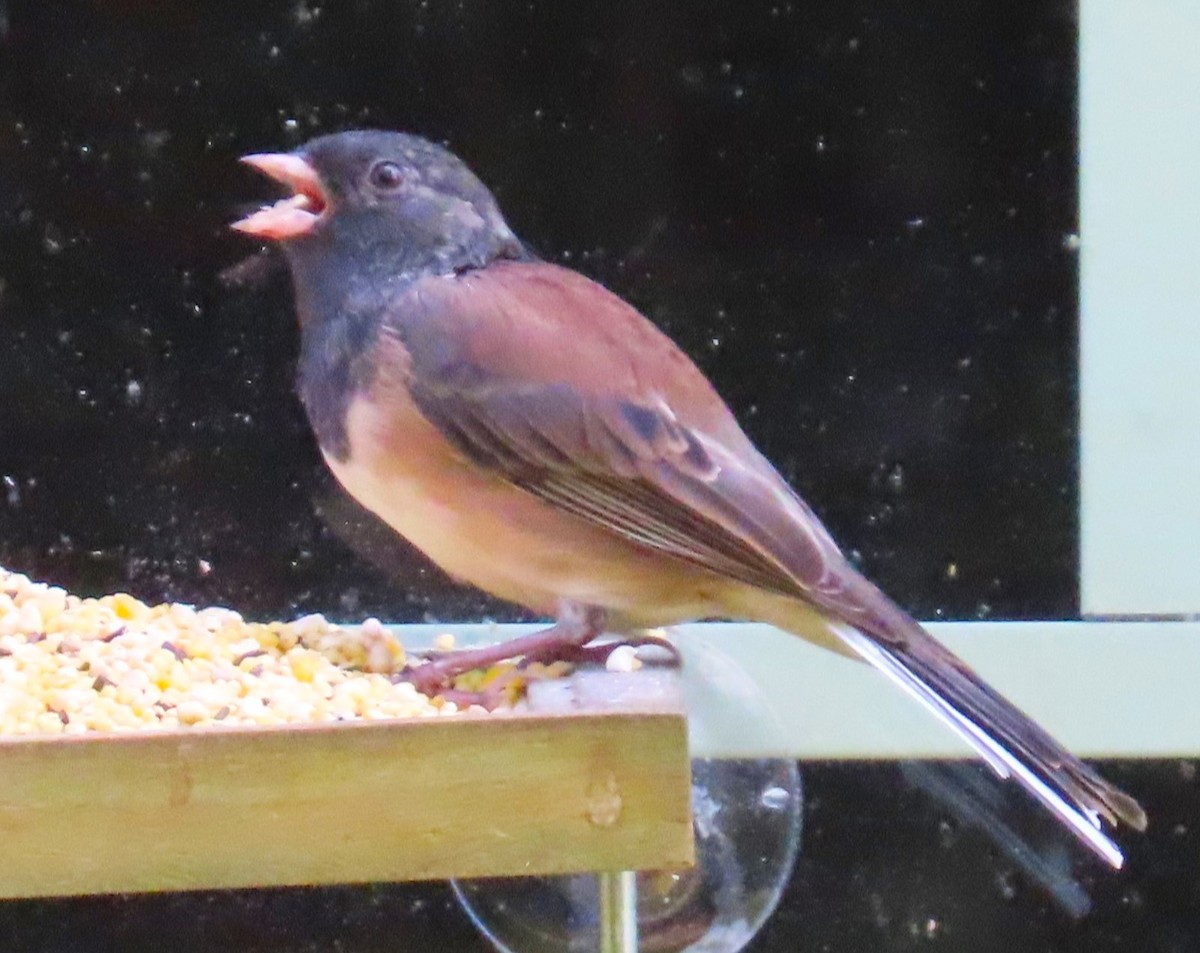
(495,536)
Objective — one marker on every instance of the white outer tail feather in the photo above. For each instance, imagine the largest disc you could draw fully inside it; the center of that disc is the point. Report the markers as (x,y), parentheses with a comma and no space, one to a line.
(1084,824)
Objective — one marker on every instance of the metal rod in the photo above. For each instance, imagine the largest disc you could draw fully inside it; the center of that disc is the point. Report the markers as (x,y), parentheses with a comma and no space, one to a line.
(618,912)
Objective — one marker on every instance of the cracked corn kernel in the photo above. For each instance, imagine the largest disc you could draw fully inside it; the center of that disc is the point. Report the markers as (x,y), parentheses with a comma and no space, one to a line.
(71,665)
(124,606)
(304,668)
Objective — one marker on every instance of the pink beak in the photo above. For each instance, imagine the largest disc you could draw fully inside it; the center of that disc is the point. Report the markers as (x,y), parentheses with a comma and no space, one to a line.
(293,216)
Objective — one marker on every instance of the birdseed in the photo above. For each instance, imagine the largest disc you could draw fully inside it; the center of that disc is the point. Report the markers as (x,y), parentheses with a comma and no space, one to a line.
(70,665)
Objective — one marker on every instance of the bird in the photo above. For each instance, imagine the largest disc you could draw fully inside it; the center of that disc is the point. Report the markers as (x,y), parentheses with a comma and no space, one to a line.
(536,436)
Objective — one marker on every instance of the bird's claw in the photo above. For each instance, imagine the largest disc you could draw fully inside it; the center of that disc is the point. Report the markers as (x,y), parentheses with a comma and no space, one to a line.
(598,652)
(439,668)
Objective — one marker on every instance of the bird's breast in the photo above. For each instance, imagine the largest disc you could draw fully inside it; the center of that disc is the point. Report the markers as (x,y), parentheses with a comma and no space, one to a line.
(482,529)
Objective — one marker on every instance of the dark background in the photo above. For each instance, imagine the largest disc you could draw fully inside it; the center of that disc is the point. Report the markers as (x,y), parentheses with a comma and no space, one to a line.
(858,217)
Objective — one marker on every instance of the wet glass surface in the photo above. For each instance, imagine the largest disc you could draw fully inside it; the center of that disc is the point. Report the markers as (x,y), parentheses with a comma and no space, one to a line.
(860,219)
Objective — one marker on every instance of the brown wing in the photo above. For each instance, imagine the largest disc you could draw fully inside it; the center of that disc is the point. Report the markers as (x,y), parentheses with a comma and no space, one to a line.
(544,376)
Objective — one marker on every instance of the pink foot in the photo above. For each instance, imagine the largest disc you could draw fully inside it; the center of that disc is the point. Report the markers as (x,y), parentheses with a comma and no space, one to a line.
(575,627)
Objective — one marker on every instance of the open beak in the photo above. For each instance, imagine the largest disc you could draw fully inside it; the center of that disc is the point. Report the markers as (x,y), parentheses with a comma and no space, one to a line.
(292,216)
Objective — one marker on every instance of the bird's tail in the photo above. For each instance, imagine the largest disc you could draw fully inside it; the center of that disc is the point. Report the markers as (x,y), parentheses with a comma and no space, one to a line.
(1007,739)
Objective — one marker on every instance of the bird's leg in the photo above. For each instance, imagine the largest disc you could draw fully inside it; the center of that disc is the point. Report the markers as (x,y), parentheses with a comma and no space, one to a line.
(498,689)
(599,653)
(575,626)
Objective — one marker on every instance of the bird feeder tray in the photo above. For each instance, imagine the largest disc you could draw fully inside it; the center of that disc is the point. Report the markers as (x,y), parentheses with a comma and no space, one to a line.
(594,778)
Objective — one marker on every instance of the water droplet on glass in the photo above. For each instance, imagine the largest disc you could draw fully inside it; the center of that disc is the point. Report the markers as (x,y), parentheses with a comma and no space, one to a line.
(305,14)
(895,479)
(133,393)
(12,492)
(951,570)
(1071,242)
(739,92)
(1132,898)
(821,144)
(53,241)
(915,224)
(154,140)
(775,799)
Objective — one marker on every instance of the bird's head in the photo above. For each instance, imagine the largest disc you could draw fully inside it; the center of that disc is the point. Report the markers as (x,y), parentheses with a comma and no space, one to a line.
(387,201)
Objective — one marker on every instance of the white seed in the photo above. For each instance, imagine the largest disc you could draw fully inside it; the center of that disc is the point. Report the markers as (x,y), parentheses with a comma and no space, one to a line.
(623,659)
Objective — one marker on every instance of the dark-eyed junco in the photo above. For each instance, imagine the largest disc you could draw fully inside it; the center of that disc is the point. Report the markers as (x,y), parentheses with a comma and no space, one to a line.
(534,435)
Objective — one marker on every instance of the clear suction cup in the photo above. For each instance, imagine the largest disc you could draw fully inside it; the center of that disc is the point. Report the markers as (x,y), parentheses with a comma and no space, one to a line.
(746,818)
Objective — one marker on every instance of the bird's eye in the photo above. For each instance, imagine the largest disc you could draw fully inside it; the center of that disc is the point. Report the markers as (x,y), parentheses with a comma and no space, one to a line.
(386,176)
